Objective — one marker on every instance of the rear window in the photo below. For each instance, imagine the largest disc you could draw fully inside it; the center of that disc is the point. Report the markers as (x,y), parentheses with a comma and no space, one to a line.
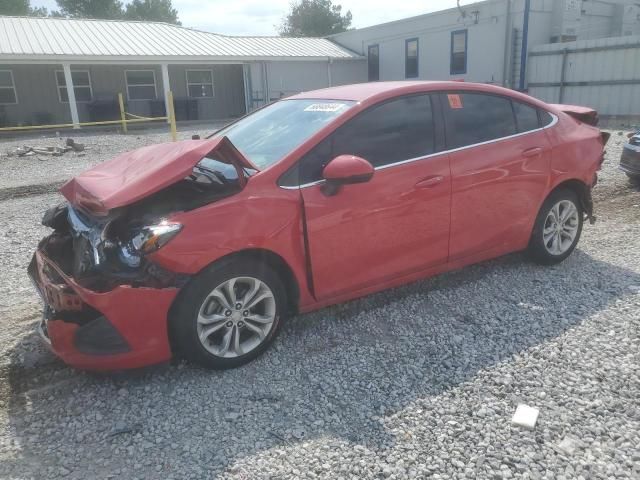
(475,118)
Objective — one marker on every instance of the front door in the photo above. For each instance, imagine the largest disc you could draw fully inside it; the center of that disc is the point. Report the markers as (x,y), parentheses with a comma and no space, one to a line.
(395,224)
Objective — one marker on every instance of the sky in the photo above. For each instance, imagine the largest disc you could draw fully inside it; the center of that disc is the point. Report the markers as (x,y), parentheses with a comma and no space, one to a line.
(261,17)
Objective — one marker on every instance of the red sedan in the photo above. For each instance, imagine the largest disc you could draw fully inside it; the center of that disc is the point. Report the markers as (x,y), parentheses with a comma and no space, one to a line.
(203,247)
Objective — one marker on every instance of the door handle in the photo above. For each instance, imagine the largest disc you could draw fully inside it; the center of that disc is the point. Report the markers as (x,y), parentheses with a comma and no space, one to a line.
(532,152)
(430,182)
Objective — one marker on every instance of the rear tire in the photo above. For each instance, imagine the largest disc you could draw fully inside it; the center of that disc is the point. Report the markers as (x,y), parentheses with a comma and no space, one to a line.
(557,228)
(229,314)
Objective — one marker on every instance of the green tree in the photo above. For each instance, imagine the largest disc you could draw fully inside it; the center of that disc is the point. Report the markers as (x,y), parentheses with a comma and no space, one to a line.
(106,9)
(314,18)
(152,10)
(21,7)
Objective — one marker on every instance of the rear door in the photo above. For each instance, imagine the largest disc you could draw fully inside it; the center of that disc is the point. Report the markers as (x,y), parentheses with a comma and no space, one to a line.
(500,166)
(395,224)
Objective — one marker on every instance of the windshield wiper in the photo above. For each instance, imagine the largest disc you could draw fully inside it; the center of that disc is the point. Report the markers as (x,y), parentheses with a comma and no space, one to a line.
(213,175)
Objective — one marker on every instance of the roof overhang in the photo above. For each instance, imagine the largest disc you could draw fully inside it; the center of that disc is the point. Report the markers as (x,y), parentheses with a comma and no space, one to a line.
(145,60)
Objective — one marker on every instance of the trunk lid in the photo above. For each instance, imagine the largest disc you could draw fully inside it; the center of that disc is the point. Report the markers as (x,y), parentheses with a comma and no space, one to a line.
(582,114)
(132,176)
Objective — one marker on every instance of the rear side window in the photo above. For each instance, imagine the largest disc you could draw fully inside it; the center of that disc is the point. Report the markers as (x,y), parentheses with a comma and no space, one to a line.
(476,118)
(545,118)
(526,117)
(397,130)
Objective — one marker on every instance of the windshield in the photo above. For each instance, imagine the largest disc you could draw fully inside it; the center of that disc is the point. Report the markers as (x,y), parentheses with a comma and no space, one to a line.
(274,131)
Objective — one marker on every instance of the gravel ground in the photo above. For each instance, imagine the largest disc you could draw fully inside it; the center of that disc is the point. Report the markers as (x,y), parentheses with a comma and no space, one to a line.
(416,382)
(43,169)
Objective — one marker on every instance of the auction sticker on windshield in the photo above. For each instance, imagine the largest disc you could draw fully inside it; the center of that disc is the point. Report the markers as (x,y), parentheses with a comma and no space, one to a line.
(324,107)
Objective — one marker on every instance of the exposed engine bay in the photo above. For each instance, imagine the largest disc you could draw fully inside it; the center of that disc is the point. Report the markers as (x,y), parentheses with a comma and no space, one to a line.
(102,251)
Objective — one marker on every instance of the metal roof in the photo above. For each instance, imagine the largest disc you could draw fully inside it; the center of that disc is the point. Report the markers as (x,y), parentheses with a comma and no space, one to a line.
(33,38)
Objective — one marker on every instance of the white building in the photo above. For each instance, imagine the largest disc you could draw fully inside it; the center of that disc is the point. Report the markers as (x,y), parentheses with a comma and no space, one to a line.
(482,42)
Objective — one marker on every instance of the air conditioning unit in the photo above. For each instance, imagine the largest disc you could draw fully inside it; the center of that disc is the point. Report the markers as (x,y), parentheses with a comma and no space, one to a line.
(567,15)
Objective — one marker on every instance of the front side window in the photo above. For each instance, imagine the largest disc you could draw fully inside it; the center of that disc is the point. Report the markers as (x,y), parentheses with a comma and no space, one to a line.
(526,117)
(141,84)
(389,133)
(7,88)
(459,52)
(411,58)
(269,134)
(475,118)
(373,62)
(200,83)
(81,86)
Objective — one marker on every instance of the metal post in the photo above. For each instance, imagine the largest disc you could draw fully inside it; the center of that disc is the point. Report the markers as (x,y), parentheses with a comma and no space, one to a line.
(166,87)
(505,60)
(329,79)
(563,75)
(525,45)
(172,117)
(265,83)
(71,95)
(123,116)
(246,73)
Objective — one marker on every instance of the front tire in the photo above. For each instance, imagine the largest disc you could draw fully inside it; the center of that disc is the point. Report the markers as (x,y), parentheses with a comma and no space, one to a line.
(557,228)
(229,314)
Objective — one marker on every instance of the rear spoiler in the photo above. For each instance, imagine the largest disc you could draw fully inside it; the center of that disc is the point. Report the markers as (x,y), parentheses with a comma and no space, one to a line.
(582,114)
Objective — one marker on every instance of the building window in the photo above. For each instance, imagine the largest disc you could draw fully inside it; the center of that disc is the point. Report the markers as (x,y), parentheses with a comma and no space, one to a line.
(7,88)
(411,58)
(141,84)
(200,83)
(373,61)
(459,52)
(81,86)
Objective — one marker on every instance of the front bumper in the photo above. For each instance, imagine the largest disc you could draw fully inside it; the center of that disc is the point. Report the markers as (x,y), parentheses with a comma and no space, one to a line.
(630,160)
(123,328)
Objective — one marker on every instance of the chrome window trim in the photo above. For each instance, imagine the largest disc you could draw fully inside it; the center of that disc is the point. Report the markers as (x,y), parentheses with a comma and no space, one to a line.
(554,121)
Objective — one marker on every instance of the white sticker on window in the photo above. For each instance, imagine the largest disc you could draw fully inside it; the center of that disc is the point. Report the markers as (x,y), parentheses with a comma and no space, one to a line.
(324,107)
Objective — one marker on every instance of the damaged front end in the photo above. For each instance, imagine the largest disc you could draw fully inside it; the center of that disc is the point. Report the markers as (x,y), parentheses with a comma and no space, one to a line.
(106,302)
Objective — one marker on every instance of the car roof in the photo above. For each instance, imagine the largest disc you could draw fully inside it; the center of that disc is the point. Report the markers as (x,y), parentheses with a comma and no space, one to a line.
(374,91)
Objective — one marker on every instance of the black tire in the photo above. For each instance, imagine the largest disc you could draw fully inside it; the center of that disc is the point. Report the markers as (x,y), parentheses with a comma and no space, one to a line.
(537,249)
(183,325)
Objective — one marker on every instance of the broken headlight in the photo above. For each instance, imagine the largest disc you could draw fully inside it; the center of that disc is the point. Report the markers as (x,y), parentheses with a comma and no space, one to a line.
(147,240)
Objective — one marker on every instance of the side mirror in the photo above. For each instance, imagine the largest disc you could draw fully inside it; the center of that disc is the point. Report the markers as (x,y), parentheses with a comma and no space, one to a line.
(345,170)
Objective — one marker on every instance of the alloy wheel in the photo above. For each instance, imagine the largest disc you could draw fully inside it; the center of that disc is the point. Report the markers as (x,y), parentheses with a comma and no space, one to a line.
(561,227)
(236,317)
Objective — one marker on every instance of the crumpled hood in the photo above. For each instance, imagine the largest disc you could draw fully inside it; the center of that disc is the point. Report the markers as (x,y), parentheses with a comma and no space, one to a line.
(132,176)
